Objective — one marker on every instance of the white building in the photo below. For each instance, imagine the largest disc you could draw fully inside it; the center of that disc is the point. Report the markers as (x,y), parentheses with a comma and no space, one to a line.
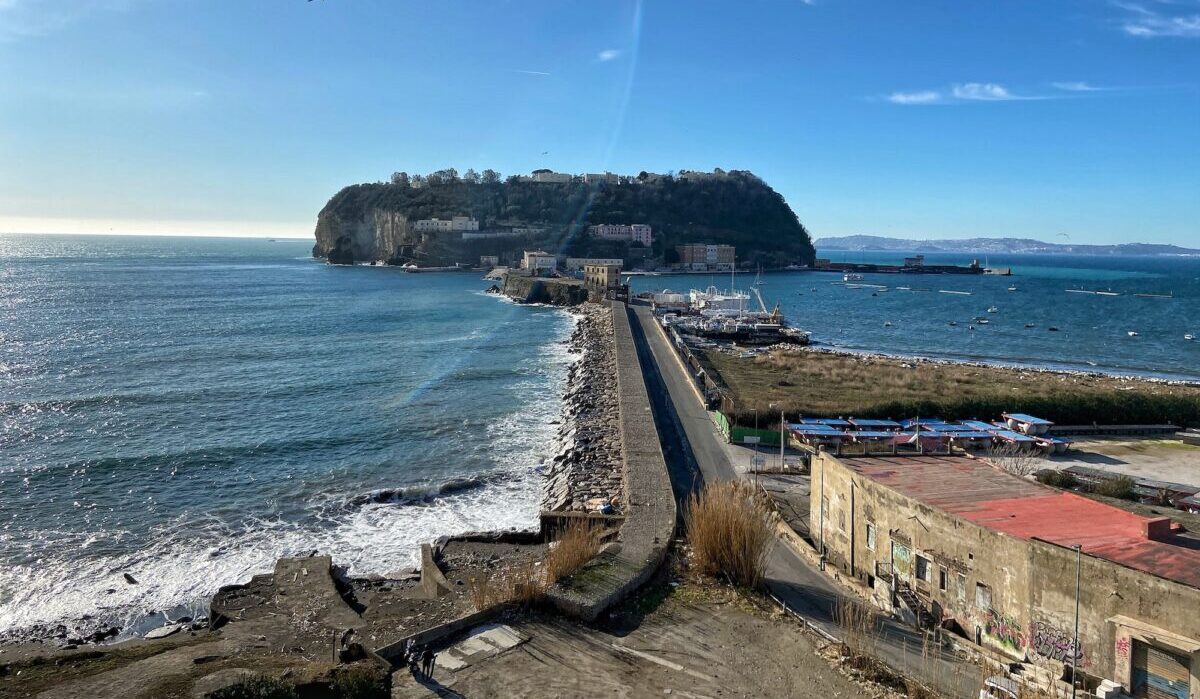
(489,261)
(636,233)
(552,177)
(437,225)
(539,262)
(577,263)
(608,177)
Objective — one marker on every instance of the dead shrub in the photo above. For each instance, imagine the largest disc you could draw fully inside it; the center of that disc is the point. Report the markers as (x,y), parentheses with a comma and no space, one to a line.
(860,634)
(730,530)
(578,543)
(523,585)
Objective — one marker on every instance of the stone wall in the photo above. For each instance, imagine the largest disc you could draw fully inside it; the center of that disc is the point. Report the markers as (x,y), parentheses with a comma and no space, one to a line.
(553,291)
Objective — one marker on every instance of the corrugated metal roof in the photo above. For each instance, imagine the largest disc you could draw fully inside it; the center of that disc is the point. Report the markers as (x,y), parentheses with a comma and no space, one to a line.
(1027,419)
(977,492)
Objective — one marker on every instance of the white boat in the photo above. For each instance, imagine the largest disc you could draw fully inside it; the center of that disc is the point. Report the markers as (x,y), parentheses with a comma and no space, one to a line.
(956,293)
(1189,338)
(852,277)
(887,323)
(1107,293)
(1132,333)
(993,309)
(1012,288)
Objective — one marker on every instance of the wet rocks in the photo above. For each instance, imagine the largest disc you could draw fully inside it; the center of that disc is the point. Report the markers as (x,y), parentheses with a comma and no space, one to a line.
(587,473)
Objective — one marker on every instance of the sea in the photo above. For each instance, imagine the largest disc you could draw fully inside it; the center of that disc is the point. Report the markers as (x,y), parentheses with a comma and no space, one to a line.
(188,410)
(934,316)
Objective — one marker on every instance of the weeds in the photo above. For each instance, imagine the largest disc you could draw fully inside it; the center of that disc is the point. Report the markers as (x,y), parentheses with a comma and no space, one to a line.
(730,531)
(578,544)
(1120,487)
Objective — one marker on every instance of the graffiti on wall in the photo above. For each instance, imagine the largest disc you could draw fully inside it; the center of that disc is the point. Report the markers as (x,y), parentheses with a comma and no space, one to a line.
(1056,644)
(902,561)
(1123,648)
(1005,629)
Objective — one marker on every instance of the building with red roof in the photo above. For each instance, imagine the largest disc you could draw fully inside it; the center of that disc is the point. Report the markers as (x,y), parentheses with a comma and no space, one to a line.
(955,541)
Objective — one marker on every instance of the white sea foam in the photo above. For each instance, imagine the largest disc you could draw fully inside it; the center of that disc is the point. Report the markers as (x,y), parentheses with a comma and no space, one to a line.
(187,560)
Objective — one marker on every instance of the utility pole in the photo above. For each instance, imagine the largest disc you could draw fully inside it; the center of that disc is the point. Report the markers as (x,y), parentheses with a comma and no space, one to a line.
(782,437)
(1075,643)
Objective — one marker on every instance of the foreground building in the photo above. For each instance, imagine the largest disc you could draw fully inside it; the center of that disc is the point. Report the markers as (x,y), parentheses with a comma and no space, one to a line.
(539,262)
(954,541)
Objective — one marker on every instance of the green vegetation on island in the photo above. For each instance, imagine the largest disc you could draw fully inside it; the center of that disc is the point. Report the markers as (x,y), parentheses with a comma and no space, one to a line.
(375,221)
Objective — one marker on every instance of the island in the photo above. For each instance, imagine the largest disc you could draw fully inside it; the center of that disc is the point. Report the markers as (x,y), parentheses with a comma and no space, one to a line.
(443,220)
(996,245)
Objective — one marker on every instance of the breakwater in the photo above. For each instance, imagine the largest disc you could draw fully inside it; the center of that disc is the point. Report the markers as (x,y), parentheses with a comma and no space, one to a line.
(586,474)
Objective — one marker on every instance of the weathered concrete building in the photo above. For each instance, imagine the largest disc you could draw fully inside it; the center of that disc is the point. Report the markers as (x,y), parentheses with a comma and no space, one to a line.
(960,543)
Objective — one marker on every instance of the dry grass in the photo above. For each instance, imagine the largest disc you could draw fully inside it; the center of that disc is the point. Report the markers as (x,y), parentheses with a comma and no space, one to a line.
(575,546)
(860,634)
(1016,460)
(730,531)
(523,585)
(823,383)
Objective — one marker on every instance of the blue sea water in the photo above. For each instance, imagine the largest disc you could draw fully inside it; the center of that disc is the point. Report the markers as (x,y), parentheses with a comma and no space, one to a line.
(1093,330)
(187,410)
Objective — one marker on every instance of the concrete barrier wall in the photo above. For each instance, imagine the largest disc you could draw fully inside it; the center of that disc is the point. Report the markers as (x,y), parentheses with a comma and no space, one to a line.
(650,503)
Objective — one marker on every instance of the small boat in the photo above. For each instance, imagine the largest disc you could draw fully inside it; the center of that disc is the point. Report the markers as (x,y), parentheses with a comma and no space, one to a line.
(1107,293)
(1132,333)
(1189,338)
(1030,325)
(983,321)
(1012,288)
(970,327)
(887,323)
(953,323)
(993,309)
(852,277)
(957,293)
(1155,296)
(1052,329)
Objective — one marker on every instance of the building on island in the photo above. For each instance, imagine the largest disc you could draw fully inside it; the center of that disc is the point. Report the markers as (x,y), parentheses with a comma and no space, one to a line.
(701,257)
(955,542)
(914,261)
(574,264)
(539,262)
(634,233)
(437,225)
(550,176)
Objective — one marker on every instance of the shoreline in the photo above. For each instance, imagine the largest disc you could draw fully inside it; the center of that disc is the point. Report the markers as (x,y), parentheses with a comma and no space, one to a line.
(1095,372)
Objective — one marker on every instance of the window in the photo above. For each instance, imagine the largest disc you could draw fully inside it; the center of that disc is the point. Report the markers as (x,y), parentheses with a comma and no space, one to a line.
(841,520)
(983,596)
(870,536)
(922,568)
(960,583)
(942,579)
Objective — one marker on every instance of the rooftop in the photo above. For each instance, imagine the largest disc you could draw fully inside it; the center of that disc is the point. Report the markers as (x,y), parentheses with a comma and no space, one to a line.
(979,493)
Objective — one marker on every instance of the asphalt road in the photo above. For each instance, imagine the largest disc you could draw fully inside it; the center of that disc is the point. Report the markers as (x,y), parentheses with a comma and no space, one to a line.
(695,453)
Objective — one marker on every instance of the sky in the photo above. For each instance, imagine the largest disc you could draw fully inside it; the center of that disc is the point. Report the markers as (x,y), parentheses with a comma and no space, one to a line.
(1051,119)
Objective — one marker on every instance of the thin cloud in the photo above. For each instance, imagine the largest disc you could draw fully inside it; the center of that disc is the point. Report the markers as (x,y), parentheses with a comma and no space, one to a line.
(26,19)
(985,92)
(1078,86)
(608,55)
(919,97)
(531,72)
(1147,23)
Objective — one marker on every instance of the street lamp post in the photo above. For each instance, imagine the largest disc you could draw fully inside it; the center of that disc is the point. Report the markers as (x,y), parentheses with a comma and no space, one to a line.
(1075,643)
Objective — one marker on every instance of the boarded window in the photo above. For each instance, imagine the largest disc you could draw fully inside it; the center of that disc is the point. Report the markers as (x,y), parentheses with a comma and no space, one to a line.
(870,536)
(960,583)
(942,575)
(923,568)
(983,596)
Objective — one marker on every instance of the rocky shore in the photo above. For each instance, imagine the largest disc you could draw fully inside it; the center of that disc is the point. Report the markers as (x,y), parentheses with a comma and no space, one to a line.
(586,475)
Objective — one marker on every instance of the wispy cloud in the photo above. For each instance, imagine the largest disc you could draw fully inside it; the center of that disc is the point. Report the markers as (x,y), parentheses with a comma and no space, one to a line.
(1160,20)
(919,97)
(1078,86)
(531,72)
(966,92)
(984,92)
(24,19)
(608,55)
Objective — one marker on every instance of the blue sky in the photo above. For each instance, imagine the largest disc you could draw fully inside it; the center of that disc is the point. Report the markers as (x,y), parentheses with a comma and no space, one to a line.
(942,118)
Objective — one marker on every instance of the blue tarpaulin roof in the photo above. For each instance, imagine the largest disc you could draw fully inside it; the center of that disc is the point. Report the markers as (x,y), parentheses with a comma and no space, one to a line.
(971,435)
(832,422)
(820,434)
(979,425)
(814,427)
(947,428)
(887,424)
(924,421)
(873,434)
(1010,436)
(1027,419)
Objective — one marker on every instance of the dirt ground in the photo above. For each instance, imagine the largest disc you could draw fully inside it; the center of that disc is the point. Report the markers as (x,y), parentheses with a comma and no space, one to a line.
(1158,459)
(698,642)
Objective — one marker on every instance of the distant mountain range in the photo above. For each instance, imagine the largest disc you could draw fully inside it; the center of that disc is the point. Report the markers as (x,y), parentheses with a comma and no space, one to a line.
(994,245)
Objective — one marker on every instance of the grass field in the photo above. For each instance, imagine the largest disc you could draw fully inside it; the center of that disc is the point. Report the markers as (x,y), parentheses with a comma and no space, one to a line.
(831,385)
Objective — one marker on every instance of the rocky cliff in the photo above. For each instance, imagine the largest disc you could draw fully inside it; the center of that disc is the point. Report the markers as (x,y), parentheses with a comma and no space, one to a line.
(371,222)
(555,292)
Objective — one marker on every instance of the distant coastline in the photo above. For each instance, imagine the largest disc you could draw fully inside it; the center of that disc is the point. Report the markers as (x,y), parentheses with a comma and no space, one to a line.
(996,246)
